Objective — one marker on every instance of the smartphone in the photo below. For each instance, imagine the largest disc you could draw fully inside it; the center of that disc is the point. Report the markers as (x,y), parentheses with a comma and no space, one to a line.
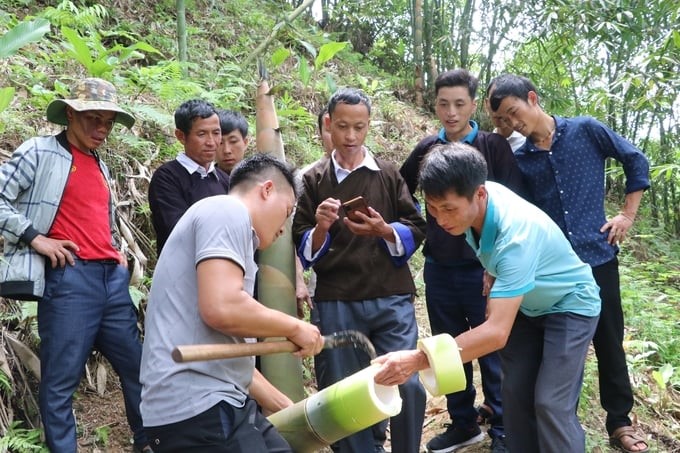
(354,205)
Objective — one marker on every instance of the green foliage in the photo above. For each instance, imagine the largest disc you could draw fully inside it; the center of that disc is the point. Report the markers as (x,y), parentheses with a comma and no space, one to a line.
(95,57)
(327,52)
(68,14)
(24,33)
(5,384)
(21,440)
(102,434)
(136,295)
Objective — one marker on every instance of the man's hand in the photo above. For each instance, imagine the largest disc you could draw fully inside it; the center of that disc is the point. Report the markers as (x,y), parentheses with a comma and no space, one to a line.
(373,225)
(58,251)
(122,259)
(618,227)
(308,338)
(327,213)
(397,367)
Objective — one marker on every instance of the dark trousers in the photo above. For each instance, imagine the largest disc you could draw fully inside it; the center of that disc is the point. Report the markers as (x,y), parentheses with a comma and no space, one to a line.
(84,306)
(222,428)
(543,363)
(390,324)
(616,394)
(455,305)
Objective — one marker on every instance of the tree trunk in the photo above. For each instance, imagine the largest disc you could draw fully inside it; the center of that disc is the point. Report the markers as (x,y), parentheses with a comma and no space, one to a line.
(182,35)
(418,50)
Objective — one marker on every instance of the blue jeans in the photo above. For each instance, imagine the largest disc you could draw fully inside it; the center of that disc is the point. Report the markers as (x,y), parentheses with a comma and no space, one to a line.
(390,324)
(543,363)
(84,306)
(455,304)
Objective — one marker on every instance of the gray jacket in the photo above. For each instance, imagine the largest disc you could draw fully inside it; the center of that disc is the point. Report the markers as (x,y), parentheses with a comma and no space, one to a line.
(32,183)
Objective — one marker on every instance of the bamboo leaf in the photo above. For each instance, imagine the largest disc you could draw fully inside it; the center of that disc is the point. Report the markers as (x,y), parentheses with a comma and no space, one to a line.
(25,355)
(22,34)
(6,96)
(77,47)
(327,52)
(310,47)
(303,71)
(279,56)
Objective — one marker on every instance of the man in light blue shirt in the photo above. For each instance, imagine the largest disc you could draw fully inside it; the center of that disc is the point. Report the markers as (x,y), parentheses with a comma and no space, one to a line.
(543,303)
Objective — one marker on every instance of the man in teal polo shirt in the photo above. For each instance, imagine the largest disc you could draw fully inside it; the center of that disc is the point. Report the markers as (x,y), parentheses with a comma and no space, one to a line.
(543,303)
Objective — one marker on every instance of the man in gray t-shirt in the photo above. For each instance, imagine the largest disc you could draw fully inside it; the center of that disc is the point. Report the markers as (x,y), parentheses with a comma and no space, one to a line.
(202,293)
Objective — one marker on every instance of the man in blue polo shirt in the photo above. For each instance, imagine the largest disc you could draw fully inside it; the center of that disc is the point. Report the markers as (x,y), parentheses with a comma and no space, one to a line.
(542,308)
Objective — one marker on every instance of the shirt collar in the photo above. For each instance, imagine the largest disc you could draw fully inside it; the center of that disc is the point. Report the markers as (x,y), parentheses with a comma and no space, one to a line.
(368,162)
(488,235)
(469,138)
(192,167)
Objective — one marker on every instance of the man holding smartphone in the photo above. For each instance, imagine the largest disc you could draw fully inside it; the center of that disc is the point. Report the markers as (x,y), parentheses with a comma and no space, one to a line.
(363,280)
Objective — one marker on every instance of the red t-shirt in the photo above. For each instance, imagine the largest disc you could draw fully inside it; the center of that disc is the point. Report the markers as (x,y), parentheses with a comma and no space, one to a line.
(83,215)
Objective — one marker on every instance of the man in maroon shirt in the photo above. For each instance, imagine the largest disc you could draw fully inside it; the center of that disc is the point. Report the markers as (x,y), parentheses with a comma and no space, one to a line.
(57,221)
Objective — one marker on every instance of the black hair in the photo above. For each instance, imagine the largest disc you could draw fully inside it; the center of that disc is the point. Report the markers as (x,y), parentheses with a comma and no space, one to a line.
(186,114)
(260,167)
(507,85)
(457,78)
(231,120)
(453,167)
(350,96)
(319,118)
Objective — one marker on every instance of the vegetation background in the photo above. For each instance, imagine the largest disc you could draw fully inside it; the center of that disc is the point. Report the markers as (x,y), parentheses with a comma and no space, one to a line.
(616,60)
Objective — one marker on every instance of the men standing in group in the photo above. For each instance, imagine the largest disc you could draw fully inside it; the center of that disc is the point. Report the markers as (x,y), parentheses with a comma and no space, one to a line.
(542,309)
(57,219)
(363,279)
(202,293)
(563,162)
(193,175)
(453,274)
(234,139)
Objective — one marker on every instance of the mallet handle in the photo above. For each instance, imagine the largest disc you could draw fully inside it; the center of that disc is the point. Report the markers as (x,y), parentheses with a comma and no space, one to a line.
(191,353)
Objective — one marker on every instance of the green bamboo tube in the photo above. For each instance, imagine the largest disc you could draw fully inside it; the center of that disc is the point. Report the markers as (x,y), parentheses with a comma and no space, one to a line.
(446,374)
(276,289)
(294,425)
(346,407)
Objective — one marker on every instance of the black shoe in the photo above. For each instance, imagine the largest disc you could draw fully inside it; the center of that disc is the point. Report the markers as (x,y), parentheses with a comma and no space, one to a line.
(498,445)
(142,449)
(454,438)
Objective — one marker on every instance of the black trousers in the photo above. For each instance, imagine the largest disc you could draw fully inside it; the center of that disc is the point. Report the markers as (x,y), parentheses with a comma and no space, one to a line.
(222,428)
(616,394)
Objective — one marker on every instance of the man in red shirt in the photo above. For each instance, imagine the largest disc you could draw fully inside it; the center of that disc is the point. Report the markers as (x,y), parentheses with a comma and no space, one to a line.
(56,217)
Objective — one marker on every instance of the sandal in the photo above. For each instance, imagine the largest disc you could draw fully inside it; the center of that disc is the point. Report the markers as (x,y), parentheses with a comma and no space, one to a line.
(485,414)
(625,438)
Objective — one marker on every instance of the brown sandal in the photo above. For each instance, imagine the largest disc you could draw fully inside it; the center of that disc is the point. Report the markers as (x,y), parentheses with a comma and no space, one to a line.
(625,437)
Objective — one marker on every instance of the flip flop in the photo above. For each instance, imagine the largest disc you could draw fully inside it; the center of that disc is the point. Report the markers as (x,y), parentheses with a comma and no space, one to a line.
(625,437)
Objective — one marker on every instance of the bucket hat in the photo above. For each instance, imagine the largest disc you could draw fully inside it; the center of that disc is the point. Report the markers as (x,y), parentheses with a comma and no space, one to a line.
(89,94)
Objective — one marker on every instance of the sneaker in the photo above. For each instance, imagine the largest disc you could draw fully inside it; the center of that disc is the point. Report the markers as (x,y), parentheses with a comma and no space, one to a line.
(498,445)
(454,439)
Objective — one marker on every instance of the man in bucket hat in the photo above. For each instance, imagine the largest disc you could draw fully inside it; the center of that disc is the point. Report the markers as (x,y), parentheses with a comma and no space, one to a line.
(56,217)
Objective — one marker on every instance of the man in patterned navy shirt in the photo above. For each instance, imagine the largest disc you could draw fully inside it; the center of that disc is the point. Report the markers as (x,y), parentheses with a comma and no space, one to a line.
(563,162)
